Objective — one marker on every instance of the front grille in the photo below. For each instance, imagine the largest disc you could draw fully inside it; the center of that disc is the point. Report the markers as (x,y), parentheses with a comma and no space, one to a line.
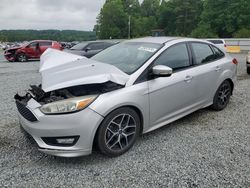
(25,112)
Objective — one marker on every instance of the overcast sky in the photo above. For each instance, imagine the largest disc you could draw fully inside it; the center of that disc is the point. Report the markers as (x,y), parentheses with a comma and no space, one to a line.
(49,14)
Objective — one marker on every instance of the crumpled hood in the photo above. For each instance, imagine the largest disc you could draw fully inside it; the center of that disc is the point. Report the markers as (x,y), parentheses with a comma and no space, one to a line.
(61,70)
(13,48)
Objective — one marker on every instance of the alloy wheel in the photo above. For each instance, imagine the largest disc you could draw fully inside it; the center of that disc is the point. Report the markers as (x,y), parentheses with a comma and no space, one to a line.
(224,94)
(22,58)
(120,132)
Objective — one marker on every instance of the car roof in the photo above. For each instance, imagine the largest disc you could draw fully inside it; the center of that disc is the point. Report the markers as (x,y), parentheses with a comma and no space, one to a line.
(101,41)
(158,40)
(42,41)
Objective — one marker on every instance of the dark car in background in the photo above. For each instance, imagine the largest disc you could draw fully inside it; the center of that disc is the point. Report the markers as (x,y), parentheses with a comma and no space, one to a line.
(31,50)
(91,48)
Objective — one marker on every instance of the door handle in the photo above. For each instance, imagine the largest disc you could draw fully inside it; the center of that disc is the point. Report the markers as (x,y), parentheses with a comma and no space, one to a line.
(217,68)
(188,78)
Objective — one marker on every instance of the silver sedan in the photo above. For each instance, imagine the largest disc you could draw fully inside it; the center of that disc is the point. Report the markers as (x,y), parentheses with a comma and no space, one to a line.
(126,90)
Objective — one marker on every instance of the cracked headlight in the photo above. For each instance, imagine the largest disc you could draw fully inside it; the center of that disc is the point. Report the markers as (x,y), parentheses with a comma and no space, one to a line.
(68,105)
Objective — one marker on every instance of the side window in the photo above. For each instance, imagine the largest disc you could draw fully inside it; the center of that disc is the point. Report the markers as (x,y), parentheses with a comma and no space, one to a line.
(175,57)
(95,46)
(106,45)
(33,44)
(202,53)
(217,53)
(45,43)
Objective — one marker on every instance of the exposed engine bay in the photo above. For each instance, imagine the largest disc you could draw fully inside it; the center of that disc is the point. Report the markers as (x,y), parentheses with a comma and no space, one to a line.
(42,97)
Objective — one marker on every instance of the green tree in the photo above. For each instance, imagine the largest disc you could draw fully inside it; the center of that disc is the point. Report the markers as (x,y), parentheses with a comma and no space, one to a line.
(180,17)
(187,15)
(112,21)
(27,35)
(132,7)
(225,17)
(203,31)
(150,8)
(167,17)
(143,25)
(242,33)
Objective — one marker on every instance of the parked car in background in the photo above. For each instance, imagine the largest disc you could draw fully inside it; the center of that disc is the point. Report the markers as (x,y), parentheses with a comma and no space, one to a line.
(91,48)
(30,50)
(248,63)
(219,43)
(131,88)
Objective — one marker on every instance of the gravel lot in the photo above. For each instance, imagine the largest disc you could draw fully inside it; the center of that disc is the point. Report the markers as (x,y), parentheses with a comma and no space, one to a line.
(204,149)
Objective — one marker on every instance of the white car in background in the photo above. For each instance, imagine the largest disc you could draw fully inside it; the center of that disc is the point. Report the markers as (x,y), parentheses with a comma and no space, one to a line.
(219,43)
(248,63)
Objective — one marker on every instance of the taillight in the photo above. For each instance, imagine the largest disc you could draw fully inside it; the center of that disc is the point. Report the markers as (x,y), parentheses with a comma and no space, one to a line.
(225,45)
(235,61)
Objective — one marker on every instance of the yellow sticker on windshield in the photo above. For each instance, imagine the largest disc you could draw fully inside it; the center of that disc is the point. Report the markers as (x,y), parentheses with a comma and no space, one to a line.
(147,49)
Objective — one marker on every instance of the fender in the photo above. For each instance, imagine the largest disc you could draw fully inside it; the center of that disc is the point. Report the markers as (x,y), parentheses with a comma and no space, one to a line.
(226,74)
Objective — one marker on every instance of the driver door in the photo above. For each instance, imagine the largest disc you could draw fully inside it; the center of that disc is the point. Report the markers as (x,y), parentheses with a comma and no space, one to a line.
(170,97)
(31,50)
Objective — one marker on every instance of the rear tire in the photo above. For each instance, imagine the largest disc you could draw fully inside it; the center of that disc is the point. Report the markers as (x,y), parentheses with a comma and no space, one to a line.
(222,96)
(248,70)
(22,57)
(118,132)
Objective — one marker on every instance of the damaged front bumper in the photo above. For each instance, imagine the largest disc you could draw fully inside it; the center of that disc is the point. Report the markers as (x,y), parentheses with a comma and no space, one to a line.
(46,130)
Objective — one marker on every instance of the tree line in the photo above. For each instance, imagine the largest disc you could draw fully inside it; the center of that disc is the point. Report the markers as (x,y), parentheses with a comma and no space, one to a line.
(192,18)
(58,35)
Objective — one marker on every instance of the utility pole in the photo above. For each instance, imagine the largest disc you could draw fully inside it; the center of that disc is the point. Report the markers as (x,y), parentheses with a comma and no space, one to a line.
(129,26)
(129,22)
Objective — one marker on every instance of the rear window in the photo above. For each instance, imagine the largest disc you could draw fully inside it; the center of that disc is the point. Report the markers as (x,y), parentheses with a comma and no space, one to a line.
(216,41)
(202,53)
(79,46)
(217,52)
(45,43)
(96,46)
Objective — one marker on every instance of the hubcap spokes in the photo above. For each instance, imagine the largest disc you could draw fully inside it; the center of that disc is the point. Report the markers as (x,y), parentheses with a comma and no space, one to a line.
(224,94)
(22,58)
(120,131)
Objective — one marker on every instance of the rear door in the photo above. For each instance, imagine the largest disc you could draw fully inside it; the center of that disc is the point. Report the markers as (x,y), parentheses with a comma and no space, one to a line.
(207,69)
(44,45)
(32,50)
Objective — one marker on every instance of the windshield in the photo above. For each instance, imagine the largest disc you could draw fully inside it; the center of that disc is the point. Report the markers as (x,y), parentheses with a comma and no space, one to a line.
(79,46)
(128,56)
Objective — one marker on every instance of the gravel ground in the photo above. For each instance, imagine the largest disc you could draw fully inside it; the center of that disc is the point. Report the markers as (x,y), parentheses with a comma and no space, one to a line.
(204,149)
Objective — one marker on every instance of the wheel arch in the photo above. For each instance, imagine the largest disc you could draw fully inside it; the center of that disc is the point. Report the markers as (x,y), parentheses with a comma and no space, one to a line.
(231,83)
(136,109)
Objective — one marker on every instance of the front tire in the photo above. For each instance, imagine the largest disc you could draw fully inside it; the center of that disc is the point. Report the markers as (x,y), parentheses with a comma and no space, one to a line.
(222,96)
(118,132)
(22,58)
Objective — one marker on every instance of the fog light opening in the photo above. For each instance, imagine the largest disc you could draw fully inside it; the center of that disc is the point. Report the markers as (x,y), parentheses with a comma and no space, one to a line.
(65,140)
(61,141)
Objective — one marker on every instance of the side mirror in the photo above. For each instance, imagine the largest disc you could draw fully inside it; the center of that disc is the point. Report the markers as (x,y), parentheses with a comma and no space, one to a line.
(87,49)
(162,71)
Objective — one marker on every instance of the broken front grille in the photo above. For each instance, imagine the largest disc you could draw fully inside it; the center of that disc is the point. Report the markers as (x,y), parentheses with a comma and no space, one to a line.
(25,112)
